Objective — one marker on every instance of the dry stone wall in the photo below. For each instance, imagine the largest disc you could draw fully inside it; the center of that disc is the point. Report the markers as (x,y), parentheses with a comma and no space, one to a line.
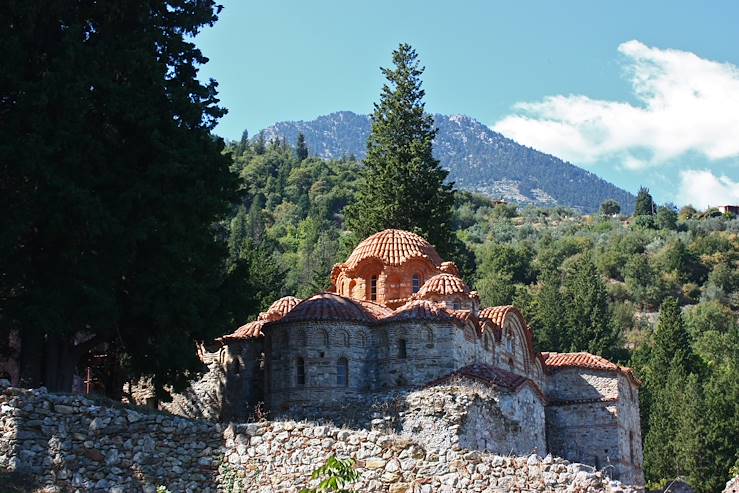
(71,443)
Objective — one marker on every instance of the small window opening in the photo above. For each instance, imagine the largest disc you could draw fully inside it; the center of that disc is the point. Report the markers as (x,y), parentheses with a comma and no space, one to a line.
(300,371)
(342,372)
(416,283)
(596,462)
(373,288)
(402,349)
(457,304)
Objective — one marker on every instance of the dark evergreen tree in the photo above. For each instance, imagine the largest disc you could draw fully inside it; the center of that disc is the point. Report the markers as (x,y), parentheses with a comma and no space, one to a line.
(403,184)
(610,208)
(585,306)
(671,345)
(644,203)
(260,144)
(301,150)
(547,321)
(112,183)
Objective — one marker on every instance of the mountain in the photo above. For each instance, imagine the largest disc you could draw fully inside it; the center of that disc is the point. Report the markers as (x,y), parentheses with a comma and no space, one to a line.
(478,159)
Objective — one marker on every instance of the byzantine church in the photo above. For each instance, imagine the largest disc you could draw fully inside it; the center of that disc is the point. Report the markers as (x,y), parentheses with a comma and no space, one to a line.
(399,325)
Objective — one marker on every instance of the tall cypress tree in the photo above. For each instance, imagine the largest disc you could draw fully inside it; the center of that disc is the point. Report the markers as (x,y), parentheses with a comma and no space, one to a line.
(112,182)
(301,150)
(671,345)
(403,185)
(586,313)
(644,203)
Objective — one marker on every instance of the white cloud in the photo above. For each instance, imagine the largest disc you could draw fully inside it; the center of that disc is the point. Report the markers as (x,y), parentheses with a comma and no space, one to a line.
(701,188)
(686,104)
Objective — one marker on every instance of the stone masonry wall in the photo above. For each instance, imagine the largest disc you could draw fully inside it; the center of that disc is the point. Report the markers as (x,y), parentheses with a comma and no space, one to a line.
(71,443)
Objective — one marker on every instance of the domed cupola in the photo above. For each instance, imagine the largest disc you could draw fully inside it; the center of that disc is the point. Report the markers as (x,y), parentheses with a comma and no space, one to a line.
(388,268)
(451,291)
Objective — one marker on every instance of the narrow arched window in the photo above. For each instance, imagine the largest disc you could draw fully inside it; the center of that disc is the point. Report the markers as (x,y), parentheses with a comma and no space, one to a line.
(402,349)
(416,283)
(457,304)
(373,288)
(300,371)
(342,372)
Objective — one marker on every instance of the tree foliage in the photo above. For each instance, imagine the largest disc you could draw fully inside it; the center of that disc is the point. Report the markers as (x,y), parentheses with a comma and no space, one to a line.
(112,185)
(403,185)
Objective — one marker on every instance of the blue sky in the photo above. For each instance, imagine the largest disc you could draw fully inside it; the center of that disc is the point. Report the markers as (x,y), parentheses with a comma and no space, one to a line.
(640,93)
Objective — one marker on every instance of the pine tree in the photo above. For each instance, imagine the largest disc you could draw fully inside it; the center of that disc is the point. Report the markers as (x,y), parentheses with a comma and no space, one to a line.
(644,203)
(671,345)
(403,185)
(301,150)
(586,312)
(550,331)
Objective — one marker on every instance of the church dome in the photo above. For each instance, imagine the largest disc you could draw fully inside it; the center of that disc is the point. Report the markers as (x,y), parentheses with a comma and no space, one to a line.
(393,247)
(328,307)
(280,308)
(443,284)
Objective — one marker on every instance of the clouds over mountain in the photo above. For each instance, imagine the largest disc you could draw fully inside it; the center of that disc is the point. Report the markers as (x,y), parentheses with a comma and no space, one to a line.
(685,104)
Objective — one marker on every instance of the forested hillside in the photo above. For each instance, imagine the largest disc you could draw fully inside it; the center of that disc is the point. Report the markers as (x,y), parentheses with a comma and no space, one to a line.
(585,283)
(478,159)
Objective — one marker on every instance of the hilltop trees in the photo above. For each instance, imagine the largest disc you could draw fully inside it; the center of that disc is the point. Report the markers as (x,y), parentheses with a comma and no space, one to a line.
(112,183)
(644,203)
(403,185)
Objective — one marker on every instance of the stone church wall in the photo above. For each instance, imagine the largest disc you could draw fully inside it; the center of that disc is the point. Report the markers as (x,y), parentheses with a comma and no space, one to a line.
(72,443)
(593,418)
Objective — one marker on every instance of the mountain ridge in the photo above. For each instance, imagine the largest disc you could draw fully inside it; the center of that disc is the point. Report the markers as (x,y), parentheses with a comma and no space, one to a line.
(478,159)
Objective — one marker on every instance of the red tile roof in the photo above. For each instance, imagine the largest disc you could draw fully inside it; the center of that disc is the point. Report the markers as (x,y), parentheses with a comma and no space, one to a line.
(443,284)
(558,361)
(247,331)
(377,310)
(393,247)
(420,310)
(280,308)
(490,375)
(328,307)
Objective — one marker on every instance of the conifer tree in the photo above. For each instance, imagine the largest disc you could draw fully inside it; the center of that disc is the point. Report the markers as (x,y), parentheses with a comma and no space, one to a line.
(301,150)
(671,345)
(586,313)
(403,185)
(644,203)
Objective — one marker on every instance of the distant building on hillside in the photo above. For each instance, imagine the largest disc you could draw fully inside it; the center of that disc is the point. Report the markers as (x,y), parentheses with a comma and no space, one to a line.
(733,209)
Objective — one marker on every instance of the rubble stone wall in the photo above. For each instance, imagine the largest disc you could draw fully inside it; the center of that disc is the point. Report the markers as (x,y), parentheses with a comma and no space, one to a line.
(73,443)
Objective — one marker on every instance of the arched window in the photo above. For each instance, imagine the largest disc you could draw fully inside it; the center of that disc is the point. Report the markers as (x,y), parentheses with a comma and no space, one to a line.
(300,371)
(416,283)
(373,288)
(429,336)
(342,372)
(509,342)
(402,349)
(457,304)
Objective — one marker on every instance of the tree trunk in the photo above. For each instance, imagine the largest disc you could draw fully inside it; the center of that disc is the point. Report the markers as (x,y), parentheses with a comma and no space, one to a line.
(31,364)
(61,362)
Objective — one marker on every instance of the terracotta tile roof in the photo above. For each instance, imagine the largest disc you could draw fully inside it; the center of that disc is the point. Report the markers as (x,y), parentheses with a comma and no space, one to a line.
(393,247)
(420,310)
(377,310)
(496,314)
(328,307)
(559,361)
(280,308)
(490,375)
(247,331)
(443,284)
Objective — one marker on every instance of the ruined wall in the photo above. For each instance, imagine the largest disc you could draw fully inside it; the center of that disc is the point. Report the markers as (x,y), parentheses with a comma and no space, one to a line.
(476,417)
(73,443)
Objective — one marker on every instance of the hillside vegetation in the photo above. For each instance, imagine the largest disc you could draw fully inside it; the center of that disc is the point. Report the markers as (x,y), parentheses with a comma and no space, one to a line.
(584,282)
(478,160)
